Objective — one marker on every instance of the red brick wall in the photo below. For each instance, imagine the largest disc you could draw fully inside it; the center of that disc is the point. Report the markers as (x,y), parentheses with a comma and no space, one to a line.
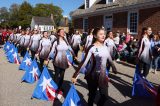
(149,17)
(120,22)
(78,24)
(95,21)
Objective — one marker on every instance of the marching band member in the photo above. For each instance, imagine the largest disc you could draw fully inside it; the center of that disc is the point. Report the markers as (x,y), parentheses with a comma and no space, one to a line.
(60,62)
(144,53)
(96,75)
(110,44)
(88,40)
(44,49)
(52,37)
(75,42)
(25,42)
(34,43)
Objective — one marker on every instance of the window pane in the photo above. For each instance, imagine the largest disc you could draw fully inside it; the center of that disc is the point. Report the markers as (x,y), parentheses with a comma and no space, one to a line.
(85,24)
(133,22)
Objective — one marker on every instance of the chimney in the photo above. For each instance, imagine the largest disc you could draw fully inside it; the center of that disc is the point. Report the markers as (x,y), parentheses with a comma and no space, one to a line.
(51,16)
(66,20)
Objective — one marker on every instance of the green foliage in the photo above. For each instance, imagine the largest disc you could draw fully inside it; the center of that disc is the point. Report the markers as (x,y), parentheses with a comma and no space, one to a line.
(45,10)
(21,15)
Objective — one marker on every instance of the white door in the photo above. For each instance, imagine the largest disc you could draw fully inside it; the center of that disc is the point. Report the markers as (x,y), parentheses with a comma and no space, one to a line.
(108,23)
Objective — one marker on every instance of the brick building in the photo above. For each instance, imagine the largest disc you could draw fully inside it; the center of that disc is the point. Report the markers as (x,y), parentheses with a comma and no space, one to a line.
(123,15)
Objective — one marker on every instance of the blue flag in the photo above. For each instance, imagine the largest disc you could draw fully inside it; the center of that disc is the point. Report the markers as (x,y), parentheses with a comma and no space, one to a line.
(83,55)
(9,48)
(32,74)
(88,67)
(26,62)
(69,57)
(72,98)
(13,57)
(51,55)
(6,46)
(142,87)
(10,51)
(46,88)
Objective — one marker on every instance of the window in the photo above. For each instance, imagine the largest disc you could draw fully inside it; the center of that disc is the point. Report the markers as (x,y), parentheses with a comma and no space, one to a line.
(109,1)
(108,22)
(133,22)
(87,3)
(85,24)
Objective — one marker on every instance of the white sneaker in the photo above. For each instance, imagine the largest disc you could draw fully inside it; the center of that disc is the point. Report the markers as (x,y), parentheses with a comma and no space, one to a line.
(118,60)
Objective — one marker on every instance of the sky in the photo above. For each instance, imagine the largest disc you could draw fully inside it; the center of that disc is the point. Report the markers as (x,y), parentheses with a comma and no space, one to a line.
(66,5)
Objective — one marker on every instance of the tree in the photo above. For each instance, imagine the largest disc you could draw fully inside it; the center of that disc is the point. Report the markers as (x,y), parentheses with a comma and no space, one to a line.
(14,10)
(4,16)
(45,10)
(21,15)
(25,14)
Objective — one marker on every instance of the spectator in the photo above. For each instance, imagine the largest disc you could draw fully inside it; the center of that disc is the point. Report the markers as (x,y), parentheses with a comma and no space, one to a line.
(155,51)
(128,37)
(122,37)
(4,35)
(117,39)
(122,51)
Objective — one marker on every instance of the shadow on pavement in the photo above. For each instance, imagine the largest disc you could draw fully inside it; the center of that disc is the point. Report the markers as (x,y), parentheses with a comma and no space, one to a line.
(67,85)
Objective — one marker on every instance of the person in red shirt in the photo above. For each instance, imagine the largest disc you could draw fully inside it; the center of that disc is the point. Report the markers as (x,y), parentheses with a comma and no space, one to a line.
(4,35)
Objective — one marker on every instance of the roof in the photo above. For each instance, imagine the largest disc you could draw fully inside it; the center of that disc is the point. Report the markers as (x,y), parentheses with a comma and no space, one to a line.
(101,5)
(64,22)
(43,20)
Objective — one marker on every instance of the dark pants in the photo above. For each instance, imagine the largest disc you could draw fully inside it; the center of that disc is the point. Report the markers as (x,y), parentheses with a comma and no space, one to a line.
(76,51)
(32,54)
(23,51)
(93,84)
(156,62)
(145,67)
(59,76)
(41,64)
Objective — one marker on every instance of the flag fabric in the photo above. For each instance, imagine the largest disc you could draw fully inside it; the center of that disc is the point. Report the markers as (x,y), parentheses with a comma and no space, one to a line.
(87,67)
(107,72)
(69,57)
(72,98)
(46,88)
(13,57)
(142,87)
(26,62)
(10,51)
(32,74)
(6,46)
(9,48)
(51,55)
(83,55)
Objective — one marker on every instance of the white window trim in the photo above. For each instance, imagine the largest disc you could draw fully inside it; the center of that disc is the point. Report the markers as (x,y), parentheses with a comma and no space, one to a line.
(86,4)
(128,22)
(104,19)
(107,2)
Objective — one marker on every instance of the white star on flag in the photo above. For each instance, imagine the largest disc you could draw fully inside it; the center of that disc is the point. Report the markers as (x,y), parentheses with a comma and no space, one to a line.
(45,83)
(28,61)
(7,47)
(72,103)
(11,50)
(15,55)
(34,71)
